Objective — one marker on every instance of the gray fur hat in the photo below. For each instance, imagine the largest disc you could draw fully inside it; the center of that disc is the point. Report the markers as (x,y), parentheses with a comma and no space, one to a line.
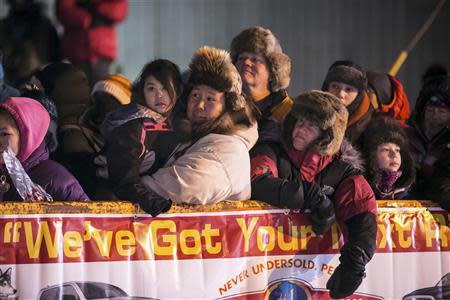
(261,40)
(325,111)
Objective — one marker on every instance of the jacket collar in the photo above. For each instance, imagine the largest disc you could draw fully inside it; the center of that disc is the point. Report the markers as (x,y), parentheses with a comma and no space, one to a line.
(309,162)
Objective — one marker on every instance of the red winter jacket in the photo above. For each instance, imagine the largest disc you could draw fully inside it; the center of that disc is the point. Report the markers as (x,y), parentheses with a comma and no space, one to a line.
(340,177)
(89,29)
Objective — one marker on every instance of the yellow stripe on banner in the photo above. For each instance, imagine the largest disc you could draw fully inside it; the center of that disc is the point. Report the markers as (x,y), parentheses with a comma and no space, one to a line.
(126,208)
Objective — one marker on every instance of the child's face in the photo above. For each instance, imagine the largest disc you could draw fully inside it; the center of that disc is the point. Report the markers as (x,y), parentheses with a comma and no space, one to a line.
(388,157)
(345,92)
(304,133)
(156,96)
(9,135)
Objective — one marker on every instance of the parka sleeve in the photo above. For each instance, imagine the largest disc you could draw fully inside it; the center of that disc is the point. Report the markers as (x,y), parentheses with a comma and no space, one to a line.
(124,151)
(197,177)
(58,182)
(354,196)
(268,187)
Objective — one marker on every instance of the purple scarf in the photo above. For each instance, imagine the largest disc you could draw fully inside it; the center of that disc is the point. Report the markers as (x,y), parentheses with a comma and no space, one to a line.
(388,180)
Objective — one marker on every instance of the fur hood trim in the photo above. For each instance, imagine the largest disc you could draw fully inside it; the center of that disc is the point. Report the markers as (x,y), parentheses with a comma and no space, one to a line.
(213,67)
(350,155)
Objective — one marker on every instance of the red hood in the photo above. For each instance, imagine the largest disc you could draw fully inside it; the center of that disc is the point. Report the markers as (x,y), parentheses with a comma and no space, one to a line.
(32,119)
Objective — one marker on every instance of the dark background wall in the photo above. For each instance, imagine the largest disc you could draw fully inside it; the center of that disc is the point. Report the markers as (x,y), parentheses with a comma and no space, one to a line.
(313,33)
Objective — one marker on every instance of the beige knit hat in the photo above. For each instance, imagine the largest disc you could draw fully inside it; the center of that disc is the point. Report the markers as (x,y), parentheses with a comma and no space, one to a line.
(116,85)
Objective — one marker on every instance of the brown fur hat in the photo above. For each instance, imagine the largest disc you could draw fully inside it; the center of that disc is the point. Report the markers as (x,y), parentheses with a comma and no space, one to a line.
(261,40)
(324,110)
(380,130)
(213,67)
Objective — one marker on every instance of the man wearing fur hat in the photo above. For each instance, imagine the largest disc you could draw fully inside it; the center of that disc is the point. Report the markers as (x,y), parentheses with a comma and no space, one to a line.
(312,168)
(219,128)
(429,138)
(265,72)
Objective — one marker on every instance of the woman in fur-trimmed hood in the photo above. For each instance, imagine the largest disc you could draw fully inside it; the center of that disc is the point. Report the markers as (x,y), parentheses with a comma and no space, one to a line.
(315,169)
(212,67)
(214,165)
(390,167)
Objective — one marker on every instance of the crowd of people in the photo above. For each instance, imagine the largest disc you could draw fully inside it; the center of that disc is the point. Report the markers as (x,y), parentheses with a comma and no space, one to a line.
(226,130)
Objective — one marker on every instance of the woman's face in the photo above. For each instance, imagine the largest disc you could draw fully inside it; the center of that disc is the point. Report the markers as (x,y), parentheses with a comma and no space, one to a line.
(205,104)
(156,96)
(345,92)
(304,133)
(9,135)
(388,157)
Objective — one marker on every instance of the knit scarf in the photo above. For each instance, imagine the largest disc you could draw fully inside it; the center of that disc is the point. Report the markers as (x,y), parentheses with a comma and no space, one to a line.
(358,109)
(388,179)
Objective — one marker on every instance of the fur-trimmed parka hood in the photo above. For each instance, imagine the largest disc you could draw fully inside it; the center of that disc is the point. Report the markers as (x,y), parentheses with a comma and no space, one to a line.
(262,41)
(213,67)
(324,110)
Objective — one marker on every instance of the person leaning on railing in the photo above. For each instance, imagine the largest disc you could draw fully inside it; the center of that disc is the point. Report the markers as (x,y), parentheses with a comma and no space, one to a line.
(219,129)
(314,169)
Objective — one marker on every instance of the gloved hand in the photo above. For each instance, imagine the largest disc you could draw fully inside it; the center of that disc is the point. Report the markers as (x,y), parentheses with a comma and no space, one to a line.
(155,205)
(322,209)
(148,200)
(344,282)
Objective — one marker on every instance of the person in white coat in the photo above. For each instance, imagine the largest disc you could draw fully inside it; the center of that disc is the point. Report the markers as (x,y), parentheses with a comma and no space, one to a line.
(219,128)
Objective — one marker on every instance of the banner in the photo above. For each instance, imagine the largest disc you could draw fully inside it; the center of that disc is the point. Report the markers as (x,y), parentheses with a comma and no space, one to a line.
(234,250)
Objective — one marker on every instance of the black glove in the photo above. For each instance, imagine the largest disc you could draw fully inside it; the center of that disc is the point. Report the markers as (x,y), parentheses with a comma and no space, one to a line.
(322,209)
(148,200)
(344,282)
(155,205)
(355,254)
